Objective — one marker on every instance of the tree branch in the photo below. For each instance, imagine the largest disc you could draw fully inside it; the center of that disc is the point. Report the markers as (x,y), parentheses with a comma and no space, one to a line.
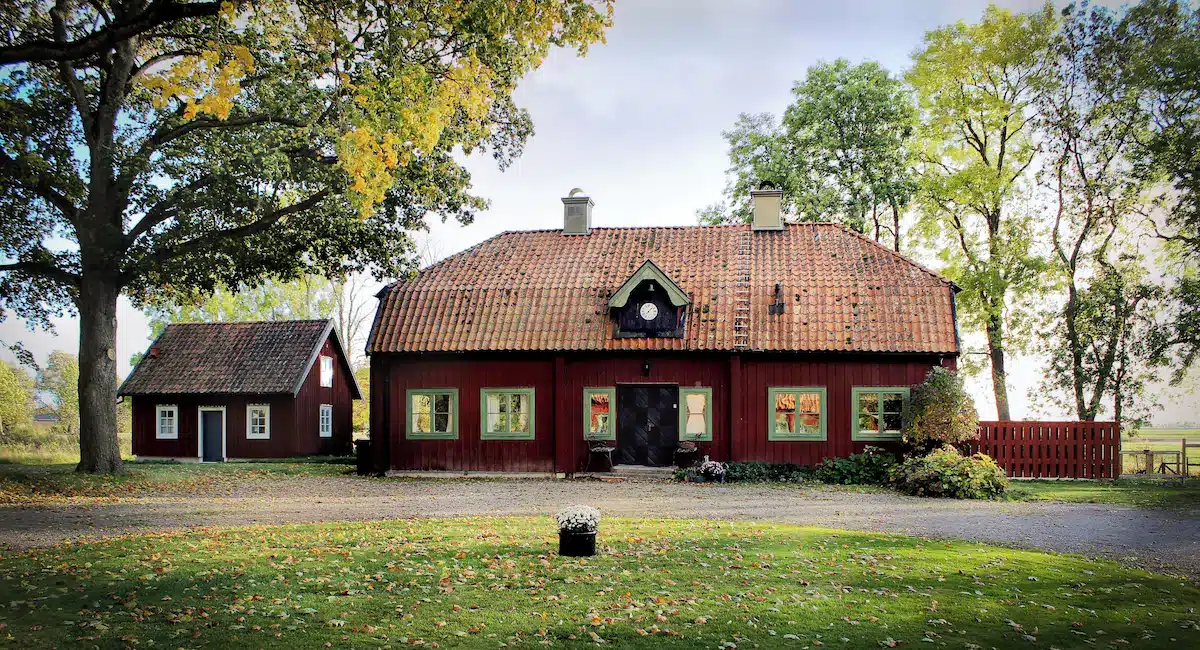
(66,71)
(159,12)
(164,209)
(217,236)
(42,268)
(39,184)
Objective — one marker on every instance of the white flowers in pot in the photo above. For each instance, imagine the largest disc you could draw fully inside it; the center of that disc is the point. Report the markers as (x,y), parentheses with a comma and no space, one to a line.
(578,519)
(711,469)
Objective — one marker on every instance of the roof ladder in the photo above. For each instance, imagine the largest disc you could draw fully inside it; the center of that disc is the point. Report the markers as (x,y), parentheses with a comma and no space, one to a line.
(741,294)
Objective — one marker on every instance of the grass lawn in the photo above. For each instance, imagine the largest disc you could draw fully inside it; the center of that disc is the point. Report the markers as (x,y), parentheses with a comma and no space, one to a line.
(1152,493)
(33,484)
(658,583)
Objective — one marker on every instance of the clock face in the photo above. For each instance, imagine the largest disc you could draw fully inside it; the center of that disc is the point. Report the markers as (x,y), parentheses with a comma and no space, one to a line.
(648,311)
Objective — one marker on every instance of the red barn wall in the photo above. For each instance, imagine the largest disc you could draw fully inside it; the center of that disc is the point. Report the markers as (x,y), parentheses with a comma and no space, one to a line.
(838,375)
(740,410)
(308,407)
(468,375)
(280,445)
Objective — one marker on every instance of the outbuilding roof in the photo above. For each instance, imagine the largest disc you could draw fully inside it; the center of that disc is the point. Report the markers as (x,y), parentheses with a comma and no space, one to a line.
(541,290)
(260,357)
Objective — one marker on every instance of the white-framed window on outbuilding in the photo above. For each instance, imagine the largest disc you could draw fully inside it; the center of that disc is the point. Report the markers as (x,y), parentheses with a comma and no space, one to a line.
(326,425)
(258,421)
(326,372)
(167,418)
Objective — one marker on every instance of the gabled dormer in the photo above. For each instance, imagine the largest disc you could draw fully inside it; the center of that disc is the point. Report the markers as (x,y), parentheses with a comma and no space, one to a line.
(649,305)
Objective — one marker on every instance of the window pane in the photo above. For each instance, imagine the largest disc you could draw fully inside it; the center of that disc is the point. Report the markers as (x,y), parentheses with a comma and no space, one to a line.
(868,422)
(441,422)
(520,423)
(441,402)
(785,402)
(892,421)
(810,423)
(893,402)
(696,403)
(809,403)
(421,422)
(785,423)
(599,423)
(421,403)
(695,424)
(868,403)
(519,403)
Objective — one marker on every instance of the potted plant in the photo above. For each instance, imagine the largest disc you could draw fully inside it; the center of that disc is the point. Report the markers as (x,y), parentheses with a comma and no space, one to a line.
(577,527)
(711,471)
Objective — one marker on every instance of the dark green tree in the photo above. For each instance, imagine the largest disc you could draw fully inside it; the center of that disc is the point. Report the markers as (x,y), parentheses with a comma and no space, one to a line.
(162,147)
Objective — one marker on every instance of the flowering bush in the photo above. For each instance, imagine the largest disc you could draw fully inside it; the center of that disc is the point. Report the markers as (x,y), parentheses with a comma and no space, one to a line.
(940,412)
(578,519)
(711,469)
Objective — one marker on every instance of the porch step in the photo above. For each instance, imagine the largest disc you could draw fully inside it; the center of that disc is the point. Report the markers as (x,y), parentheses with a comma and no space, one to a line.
(633,472)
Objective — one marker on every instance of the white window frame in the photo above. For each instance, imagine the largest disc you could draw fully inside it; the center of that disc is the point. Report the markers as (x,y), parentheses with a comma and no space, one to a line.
(266,434)
(322,430)
(326,376)
(158,428)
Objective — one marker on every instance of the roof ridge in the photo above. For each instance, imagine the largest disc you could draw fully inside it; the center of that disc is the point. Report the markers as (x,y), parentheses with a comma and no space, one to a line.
(252,322)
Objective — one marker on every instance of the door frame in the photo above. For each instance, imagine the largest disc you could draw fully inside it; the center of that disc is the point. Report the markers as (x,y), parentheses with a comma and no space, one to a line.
(200,432)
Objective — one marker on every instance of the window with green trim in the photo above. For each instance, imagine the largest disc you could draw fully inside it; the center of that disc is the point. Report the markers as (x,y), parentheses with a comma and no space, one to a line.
(433,414)
(878,412)
(796,413)
(695,414)
(599,411)
(506,413)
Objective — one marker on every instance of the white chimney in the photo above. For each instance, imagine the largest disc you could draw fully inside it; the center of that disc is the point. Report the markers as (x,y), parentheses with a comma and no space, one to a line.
(577,213)
(768,214)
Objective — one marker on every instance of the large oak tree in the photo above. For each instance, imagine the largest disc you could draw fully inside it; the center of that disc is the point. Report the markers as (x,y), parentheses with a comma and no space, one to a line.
(160,147)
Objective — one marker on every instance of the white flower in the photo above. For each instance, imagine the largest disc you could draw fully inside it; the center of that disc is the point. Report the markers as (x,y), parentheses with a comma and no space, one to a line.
(712,468)
(578,519)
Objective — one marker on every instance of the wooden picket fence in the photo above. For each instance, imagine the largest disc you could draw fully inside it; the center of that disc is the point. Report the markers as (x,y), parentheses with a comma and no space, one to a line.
(1052,449)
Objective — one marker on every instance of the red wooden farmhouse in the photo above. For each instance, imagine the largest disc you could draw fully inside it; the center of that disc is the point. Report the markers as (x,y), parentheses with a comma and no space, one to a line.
(760,342)
(219,391)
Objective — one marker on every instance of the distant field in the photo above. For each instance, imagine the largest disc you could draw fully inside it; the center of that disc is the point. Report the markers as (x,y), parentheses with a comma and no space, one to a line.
(1166,433)
(1158,440)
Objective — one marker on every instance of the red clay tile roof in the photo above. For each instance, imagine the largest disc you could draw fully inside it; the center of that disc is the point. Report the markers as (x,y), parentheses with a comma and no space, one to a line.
(541,290)
(230,358)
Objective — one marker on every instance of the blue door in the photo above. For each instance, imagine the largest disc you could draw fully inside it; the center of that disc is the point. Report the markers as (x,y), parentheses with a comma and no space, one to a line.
(212,436)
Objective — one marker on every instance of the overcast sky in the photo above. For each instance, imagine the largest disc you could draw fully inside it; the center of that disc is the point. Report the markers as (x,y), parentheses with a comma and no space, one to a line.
(637,123)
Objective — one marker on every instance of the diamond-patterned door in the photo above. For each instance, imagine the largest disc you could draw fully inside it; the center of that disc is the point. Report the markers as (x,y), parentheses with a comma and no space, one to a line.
(647,424)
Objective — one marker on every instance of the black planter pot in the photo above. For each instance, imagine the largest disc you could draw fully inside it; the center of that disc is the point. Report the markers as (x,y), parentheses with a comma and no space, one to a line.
(577,544)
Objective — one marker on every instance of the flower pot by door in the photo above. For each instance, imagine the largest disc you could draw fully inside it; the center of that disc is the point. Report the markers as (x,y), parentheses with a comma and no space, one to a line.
(576,544)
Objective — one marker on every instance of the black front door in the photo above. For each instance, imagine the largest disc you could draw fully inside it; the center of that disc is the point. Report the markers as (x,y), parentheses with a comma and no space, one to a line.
(647,424)
(212,437)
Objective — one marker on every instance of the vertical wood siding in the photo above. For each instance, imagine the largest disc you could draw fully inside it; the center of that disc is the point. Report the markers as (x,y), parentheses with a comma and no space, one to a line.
(308,408)
(838,375)
(469,375)
(1052,449)
(294,421)
(739,408)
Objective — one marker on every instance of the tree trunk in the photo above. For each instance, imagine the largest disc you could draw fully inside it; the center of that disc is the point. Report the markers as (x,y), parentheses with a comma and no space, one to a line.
(995,336)
(99,451)
(1077,373)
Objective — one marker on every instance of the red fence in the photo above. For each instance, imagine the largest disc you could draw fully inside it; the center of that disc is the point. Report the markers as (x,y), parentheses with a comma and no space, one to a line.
(1052,449)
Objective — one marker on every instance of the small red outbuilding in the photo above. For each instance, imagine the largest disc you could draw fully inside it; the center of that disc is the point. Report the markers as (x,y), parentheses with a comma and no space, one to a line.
(221,391)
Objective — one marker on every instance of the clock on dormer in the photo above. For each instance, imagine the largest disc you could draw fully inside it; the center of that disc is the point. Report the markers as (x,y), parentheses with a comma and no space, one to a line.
(648,311)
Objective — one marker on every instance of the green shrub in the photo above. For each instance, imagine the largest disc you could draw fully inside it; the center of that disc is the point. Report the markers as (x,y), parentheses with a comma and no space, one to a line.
(947,473)
(871,467)
(940,412)
(755,472)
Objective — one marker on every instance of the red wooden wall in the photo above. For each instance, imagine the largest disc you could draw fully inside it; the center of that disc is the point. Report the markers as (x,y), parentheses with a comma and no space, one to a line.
(468,375)
(739,384)
(294,421)
(1053,449)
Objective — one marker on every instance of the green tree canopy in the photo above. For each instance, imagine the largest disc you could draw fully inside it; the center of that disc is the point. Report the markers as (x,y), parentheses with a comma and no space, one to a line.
(977,85)
(175,146)
(60,378)
(840,152)
(17,400)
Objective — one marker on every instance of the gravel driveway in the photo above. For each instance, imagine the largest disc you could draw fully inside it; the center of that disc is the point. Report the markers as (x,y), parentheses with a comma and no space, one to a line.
(1156,540)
